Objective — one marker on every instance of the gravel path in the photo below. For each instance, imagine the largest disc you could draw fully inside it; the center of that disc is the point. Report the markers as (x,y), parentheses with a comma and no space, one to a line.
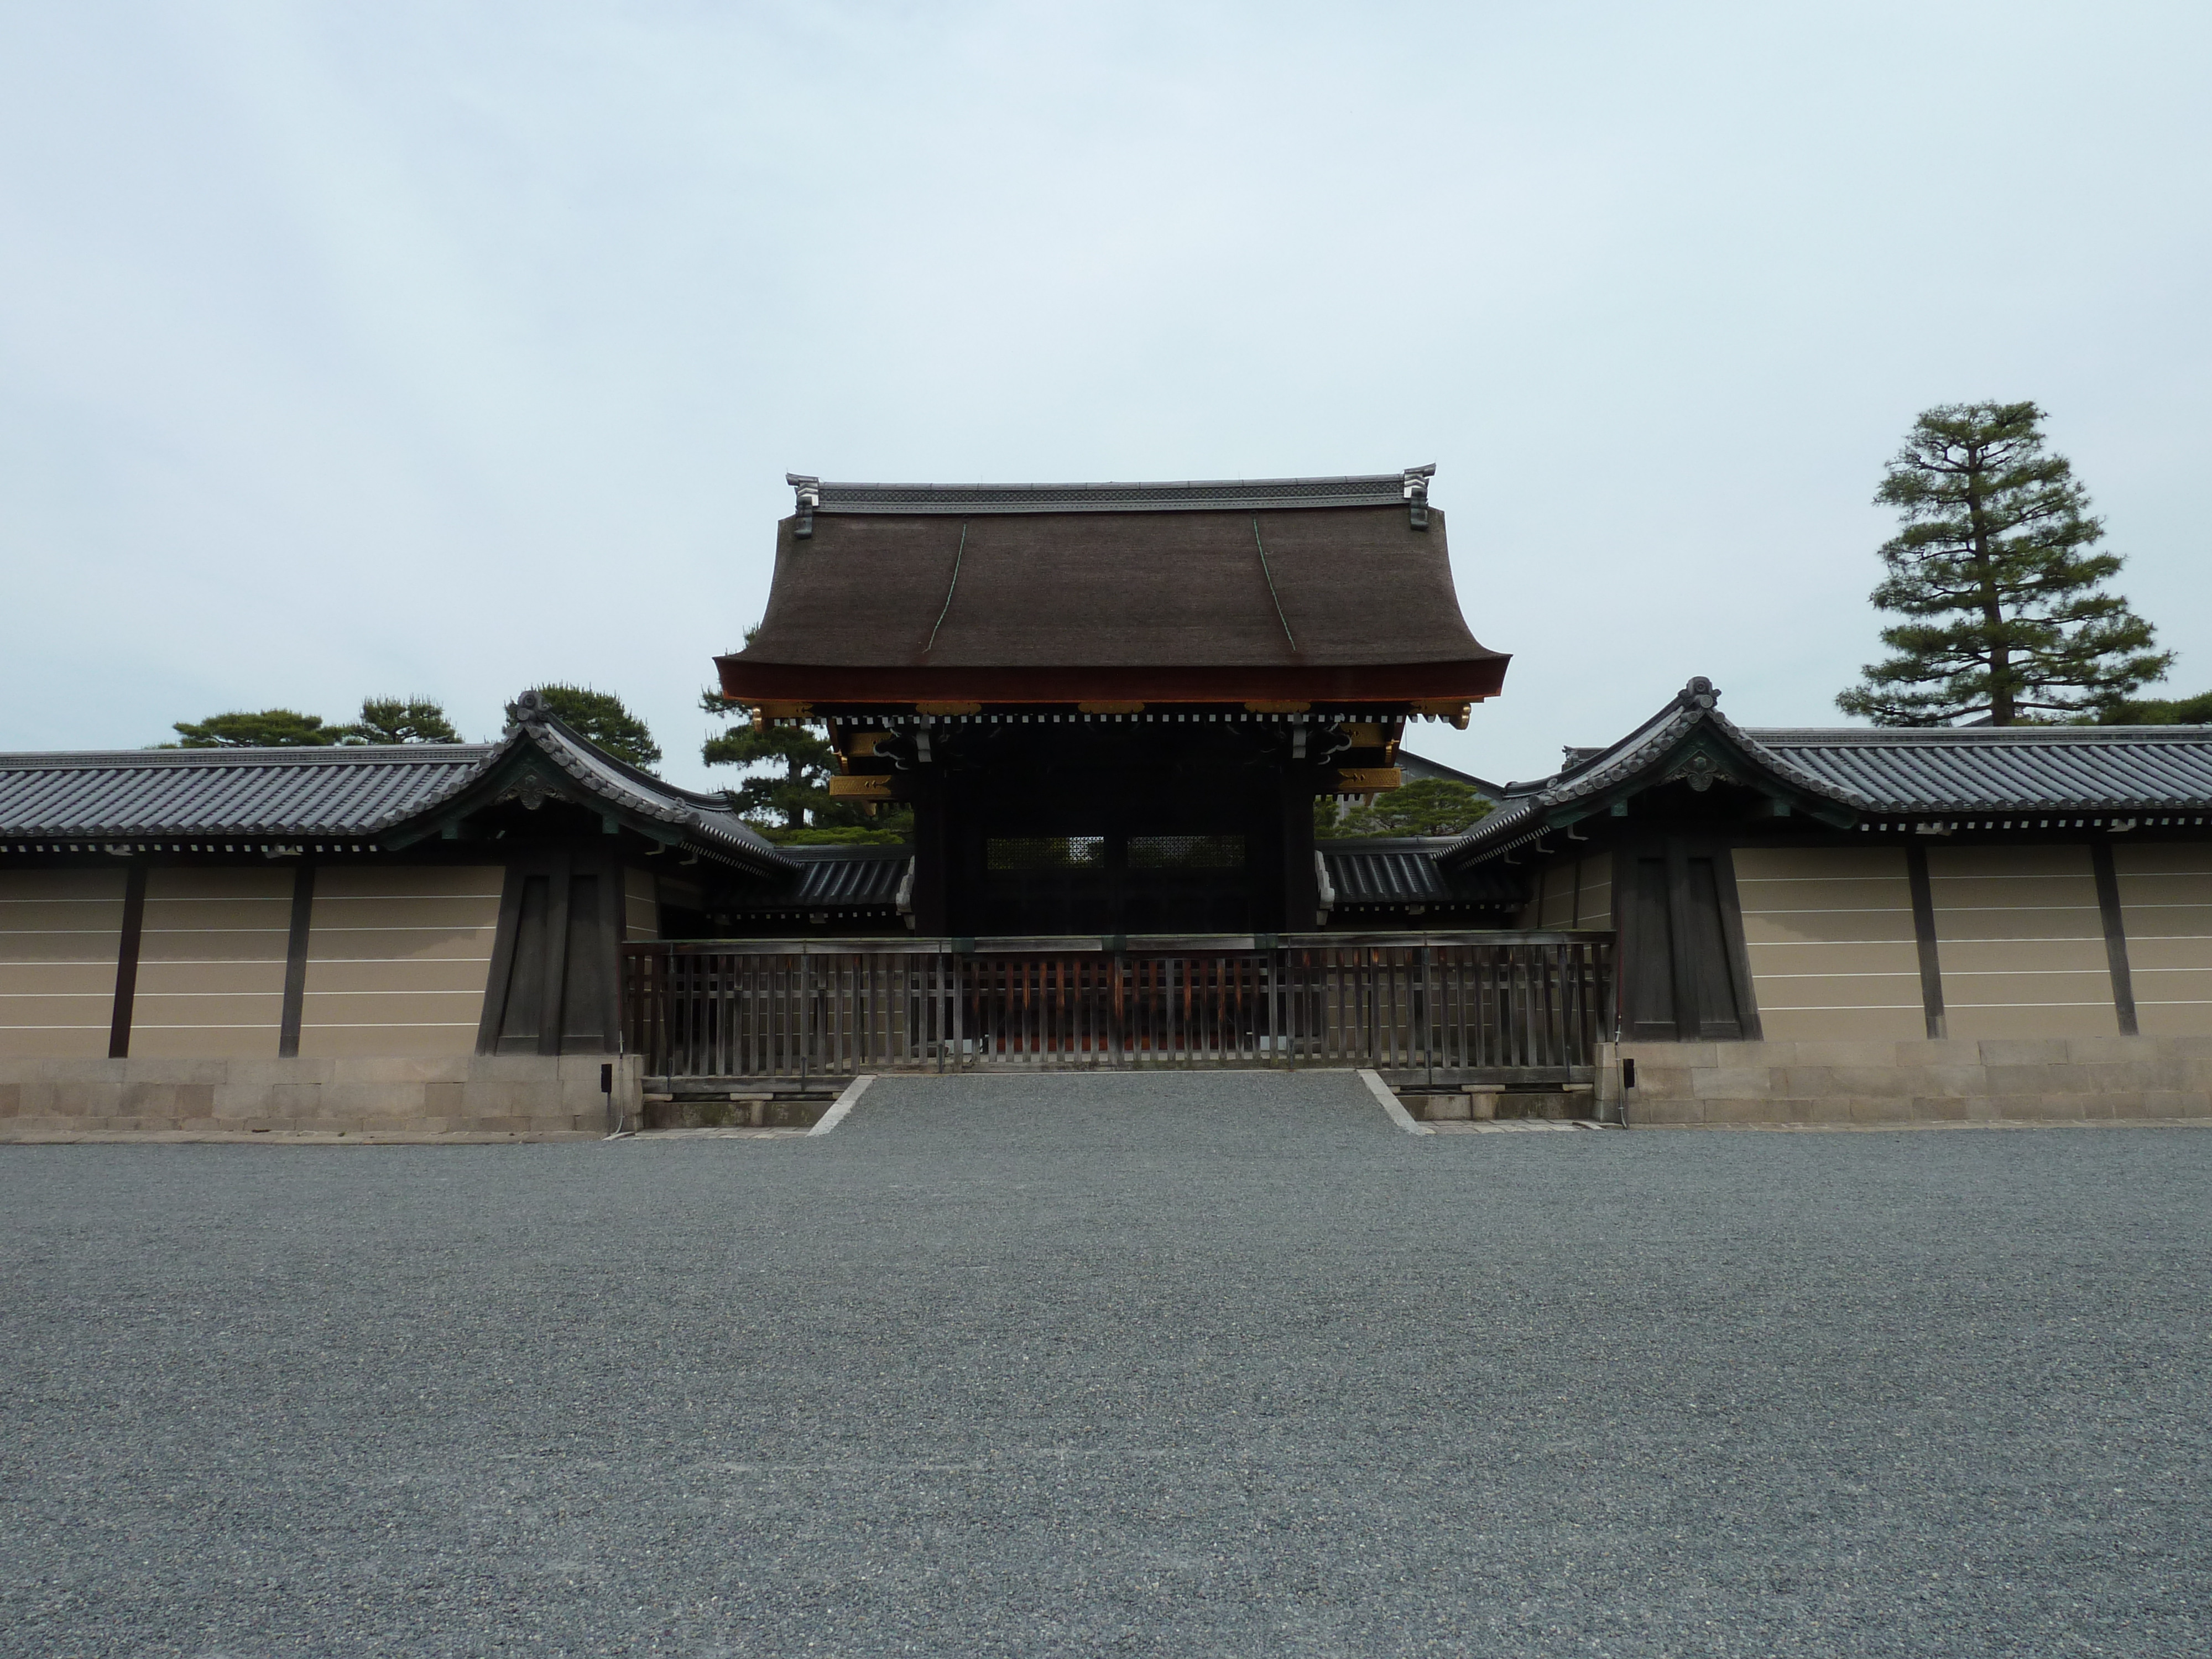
(1158,1365)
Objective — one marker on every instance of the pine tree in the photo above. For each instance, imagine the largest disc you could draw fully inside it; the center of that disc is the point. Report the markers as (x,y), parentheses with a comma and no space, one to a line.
(271,728)
(400,719)
(1992,568)
(1426,806)
(604,718)
(799,796)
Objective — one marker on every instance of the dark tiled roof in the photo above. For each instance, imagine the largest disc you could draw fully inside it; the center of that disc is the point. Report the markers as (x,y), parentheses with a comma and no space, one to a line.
(1239,495)
(1405,870)
(345,791)
(706,819)
(1852,773)
(2094,769)
(837,878)
(337,792)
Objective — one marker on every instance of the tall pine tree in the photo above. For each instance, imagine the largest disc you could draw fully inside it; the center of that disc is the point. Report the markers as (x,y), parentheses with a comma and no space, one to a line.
(1992,568)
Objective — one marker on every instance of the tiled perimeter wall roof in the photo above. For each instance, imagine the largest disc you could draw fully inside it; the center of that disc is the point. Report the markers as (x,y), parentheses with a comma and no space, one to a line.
(1979,768)
(226,791)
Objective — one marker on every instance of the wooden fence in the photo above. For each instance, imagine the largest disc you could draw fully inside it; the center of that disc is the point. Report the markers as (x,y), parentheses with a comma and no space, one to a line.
(1445,1007)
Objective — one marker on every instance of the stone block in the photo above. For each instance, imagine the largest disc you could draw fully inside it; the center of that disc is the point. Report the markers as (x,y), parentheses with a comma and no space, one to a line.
(2175,1102)
(161,1104)
(585,1067)
(2008,1080)
(1880,1109)
(1830,1052)
(1661,1083)
(443,1100)
(1730,1083)
(514,1068)
(1446,1109)
(400,1069)
(1761,1054)
(2013,1051)
(1663,1113)
(1813,1108)
(2046,1108)
(164,1070)
(1938,1051)
(1879,1082)
(1742,1108)
(371,1102)
(1949,1082)
(11,1099)
(1939,1108)
(2108,1050)
(86,1102)
(282,1073)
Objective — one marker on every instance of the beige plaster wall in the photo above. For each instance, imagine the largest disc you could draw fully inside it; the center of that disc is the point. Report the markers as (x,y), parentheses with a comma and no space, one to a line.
(398,959)
(2061,1080)
(2165,904)
(524,1096)
(211,964)
(60,932)
(2021,942)
(1829,931)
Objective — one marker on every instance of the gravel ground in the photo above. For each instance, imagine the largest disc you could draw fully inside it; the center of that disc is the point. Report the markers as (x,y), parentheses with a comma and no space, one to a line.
(1157,1366)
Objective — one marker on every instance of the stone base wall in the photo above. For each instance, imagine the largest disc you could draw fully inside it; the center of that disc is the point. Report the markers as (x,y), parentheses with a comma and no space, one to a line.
(527,1096)
(2011,1080)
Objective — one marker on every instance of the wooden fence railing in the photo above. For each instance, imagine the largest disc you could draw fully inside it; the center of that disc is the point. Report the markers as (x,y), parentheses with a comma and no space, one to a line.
(1460,1006)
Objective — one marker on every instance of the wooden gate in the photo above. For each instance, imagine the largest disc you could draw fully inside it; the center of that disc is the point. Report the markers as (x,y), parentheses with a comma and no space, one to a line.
(1527,1006)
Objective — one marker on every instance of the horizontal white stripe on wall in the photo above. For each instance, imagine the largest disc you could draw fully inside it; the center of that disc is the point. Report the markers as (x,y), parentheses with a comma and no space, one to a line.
(354,962)
(399,1026)
(1856,973)
(2104,1002)
(1819,910)
(478,992)
(178,1025)
(1836,1007)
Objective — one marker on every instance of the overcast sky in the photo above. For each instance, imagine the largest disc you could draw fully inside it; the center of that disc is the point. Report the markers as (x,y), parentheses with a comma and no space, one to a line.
(451,346)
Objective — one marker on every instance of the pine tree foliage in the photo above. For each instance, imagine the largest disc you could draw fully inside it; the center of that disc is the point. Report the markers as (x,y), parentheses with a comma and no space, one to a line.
(401,719)
(1993,570)
(791,802)
(605,719)
(2159,711)
(270,728)
(1427,806)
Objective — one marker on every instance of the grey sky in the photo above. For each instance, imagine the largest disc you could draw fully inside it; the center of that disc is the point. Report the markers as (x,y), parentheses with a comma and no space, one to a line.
(447,346)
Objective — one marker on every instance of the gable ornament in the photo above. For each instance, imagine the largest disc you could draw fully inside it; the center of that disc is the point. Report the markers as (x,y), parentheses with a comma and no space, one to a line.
(1699,770)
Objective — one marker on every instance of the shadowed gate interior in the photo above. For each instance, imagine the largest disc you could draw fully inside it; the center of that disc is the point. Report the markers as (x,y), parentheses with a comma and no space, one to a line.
(553,979)
(1688,974)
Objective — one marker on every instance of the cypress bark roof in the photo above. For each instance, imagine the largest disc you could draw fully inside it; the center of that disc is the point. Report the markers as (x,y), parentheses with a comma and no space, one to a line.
(1168,580)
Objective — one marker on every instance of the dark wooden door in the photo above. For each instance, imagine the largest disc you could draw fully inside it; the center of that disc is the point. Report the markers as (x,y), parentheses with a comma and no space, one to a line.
(1686,974)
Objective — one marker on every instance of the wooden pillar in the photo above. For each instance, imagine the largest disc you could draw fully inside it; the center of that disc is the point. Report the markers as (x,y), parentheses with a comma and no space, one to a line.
(935,852)
(1299,891)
